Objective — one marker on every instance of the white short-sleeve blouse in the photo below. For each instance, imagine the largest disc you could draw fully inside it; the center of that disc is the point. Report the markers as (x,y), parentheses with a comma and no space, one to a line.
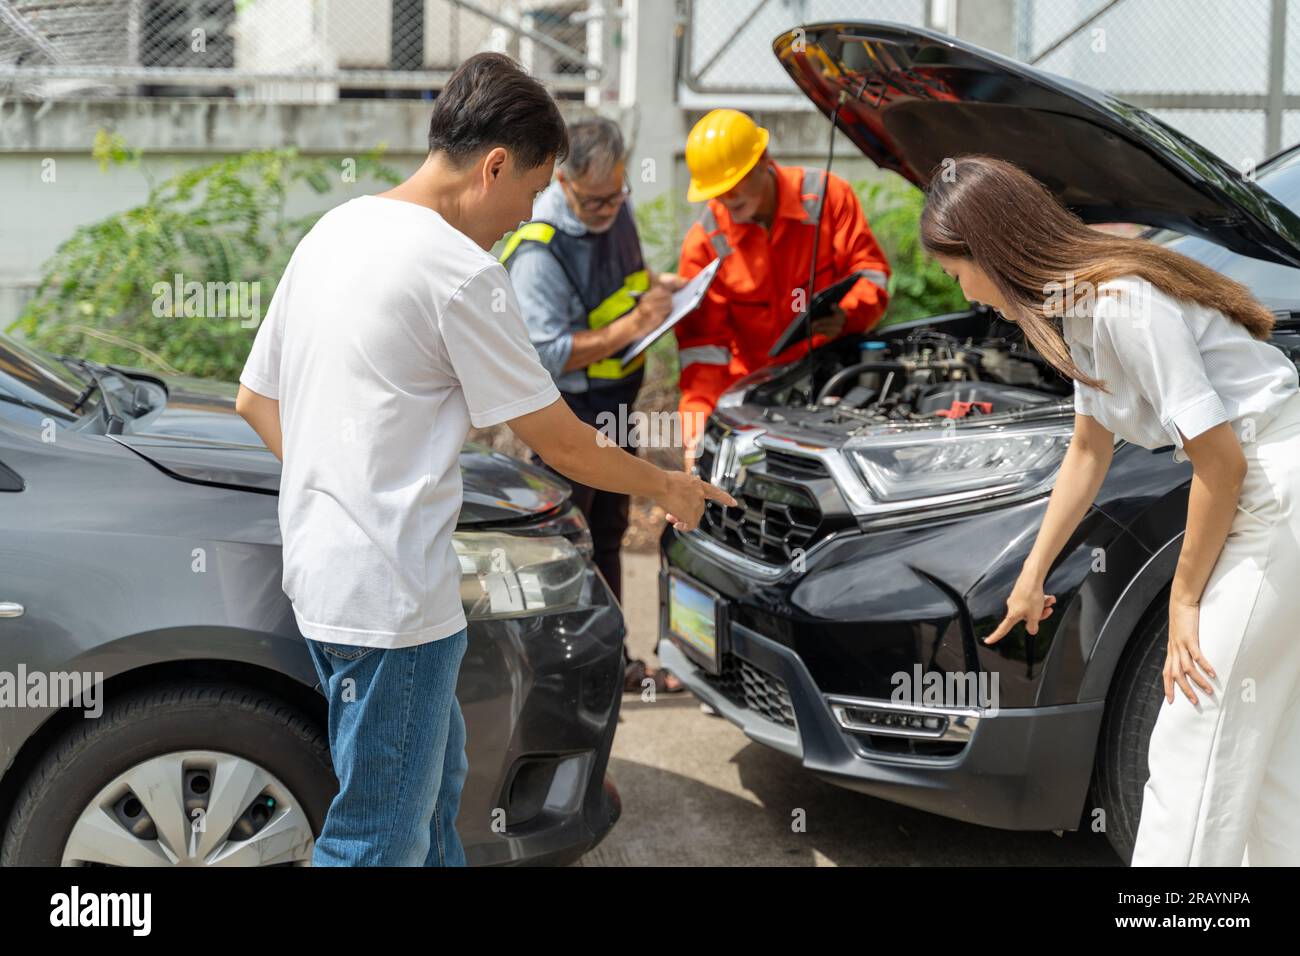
(1172,366)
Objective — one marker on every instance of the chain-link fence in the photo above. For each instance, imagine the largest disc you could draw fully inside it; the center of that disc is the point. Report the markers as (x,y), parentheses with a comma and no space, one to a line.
(729,42)
(1227,72)
(312,50)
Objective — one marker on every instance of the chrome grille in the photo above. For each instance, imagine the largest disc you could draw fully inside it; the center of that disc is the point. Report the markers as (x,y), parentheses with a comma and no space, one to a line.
(762,529)
(778,517)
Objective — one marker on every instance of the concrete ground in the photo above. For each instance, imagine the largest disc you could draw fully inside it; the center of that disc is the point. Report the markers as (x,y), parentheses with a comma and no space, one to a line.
(698,792)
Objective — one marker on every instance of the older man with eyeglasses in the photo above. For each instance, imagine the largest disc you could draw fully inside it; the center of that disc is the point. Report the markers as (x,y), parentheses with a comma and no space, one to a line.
(586,295)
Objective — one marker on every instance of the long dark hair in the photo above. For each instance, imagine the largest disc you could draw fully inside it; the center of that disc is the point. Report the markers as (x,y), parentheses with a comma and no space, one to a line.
(1012,228)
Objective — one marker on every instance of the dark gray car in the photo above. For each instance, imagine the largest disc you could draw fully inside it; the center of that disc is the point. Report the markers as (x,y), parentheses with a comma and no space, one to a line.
(157,703)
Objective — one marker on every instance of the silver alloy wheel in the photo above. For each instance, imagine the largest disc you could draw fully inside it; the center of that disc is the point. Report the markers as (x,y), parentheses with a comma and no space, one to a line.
(192,808)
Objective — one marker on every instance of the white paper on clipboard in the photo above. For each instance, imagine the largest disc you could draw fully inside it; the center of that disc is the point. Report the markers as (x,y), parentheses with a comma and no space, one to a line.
(685,301)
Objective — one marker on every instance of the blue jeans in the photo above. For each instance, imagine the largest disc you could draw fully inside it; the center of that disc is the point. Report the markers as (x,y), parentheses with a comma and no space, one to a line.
(397,740)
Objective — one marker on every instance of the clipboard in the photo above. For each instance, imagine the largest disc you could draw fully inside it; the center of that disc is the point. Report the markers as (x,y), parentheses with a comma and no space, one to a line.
(819,306)
(685,301)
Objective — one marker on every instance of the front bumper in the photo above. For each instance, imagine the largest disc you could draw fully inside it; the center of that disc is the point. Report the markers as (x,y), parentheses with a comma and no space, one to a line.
(1021,770)
(541,698)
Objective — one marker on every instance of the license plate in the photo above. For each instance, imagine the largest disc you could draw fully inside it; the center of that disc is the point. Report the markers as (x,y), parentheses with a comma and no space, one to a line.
(694,615)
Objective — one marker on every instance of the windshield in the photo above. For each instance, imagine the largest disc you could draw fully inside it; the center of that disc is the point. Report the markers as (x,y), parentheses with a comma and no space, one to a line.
(1276,285)
(36,387)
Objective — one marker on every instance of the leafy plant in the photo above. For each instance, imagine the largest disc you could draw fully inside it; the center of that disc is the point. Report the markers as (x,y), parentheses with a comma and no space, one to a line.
(662,223)
(658,222)
(223,226)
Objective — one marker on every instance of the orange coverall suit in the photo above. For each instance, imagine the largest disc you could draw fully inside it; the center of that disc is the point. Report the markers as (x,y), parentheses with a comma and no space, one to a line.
(763,282)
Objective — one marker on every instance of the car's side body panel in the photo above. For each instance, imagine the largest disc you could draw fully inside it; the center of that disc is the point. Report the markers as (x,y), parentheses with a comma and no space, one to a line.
(123,570)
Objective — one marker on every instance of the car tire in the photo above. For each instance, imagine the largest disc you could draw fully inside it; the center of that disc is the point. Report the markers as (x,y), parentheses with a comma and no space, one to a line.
(250,729)
(1132,706)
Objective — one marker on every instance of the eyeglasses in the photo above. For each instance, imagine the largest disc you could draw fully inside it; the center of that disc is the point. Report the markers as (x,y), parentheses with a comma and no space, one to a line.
(596,203)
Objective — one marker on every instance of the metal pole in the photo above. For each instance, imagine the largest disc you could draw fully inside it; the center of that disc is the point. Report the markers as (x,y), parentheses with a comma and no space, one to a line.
(1276,79)
(597,50)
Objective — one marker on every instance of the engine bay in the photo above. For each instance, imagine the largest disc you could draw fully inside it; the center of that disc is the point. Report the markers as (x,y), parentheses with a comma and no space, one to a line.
(920,375)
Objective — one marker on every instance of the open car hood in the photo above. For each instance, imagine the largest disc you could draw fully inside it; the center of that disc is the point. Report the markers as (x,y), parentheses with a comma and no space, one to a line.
(914,97)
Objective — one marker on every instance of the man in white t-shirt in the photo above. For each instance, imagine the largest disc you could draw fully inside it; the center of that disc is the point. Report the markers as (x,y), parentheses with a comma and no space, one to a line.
(393,329)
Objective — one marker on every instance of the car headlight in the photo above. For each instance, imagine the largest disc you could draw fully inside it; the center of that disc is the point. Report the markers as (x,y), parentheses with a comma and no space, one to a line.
(534,570)
(978,462)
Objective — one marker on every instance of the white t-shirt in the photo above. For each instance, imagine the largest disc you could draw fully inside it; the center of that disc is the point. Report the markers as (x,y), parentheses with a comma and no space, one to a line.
(1172,366)
(389,333)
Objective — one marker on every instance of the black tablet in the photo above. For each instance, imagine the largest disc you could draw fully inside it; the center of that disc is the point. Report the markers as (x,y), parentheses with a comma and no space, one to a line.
(819,306)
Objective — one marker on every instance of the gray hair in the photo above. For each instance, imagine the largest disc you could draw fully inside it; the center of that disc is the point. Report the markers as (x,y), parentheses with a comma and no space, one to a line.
(595,145)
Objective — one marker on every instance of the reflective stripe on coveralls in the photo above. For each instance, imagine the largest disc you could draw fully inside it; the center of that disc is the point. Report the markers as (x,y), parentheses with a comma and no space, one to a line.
(705,355)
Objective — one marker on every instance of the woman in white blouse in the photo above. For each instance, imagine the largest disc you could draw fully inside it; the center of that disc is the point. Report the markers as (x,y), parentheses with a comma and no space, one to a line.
(1163,351)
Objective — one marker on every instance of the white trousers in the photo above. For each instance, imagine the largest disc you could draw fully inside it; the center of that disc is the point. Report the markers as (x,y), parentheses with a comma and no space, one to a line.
(1224,788)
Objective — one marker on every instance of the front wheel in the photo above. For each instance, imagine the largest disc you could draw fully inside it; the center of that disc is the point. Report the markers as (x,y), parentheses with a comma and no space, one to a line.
(1133,704)
(181,775)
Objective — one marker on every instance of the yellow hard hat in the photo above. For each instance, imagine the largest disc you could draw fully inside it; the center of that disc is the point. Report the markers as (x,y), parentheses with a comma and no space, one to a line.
(723,146)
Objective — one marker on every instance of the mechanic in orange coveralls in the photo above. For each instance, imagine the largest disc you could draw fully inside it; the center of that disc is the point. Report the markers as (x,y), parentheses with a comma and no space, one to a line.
(759,220)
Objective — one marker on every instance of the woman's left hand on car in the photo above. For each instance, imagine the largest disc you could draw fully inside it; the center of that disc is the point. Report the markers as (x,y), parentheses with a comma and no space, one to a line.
(1027,603)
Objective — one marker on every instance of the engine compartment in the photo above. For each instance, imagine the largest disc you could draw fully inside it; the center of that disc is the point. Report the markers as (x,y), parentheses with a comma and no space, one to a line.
(914,375)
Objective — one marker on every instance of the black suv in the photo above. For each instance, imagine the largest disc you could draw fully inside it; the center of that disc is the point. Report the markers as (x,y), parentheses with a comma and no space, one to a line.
(880,540)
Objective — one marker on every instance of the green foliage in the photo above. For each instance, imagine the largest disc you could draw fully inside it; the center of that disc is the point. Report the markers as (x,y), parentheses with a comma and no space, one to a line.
(659,223)
(662,225)
(227,223)
(918,286)
(110,149)
(219,224)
